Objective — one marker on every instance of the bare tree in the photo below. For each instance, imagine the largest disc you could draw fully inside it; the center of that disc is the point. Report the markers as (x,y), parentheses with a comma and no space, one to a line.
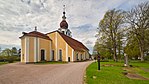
(138,21)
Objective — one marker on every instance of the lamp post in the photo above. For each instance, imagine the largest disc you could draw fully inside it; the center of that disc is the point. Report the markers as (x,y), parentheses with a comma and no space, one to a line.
(98,58)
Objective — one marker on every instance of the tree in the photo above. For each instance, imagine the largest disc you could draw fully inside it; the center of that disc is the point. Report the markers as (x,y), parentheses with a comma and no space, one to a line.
(6,52)
(111,27)
(14,51)
(120,44)
(100,48)
(0,51)
(10,52)
(132,48)
(138,21)
(19,52)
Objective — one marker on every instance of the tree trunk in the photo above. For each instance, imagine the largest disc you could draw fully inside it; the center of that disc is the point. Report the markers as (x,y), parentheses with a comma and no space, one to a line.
(119,52)
(126,60)
(114,54)
(142,54)
(141,42)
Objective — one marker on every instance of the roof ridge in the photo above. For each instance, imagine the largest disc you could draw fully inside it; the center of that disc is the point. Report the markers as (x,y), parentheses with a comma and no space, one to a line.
(36,34)
(52,32)
(69,37)
(79,44)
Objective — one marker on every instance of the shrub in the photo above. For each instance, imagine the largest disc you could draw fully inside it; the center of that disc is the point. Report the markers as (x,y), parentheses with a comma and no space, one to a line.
(104,60)
(2,59)
(10,59)
(146,58)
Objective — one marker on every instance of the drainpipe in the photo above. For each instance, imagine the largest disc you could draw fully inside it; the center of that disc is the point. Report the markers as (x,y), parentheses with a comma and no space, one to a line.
(37,49)
(36,45)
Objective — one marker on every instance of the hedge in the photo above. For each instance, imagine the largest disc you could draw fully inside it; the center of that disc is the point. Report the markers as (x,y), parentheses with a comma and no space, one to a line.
(9,59)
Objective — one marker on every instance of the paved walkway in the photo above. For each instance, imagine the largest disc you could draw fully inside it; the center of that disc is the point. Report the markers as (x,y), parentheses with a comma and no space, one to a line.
(16,73)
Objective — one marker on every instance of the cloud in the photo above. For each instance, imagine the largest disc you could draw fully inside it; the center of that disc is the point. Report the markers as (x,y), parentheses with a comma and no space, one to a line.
(83,17)
(84,32)
(4,46)
(127,5)
(88,42)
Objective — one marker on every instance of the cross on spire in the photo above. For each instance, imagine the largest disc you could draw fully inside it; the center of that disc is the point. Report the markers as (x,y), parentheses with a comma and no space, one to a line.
(64,17)
(63,8)
(35,28)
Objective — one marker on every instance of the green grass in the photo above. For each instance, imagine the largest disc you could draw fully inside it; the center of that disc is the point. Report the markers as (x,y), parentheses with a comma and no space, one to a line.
(53,62)
(1,63)
(113,74)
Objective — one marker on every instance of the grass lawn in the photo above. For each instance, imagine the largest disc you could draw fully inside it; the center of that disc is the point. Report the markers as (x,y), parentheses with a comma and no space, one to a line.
(112,73)
(1,63)
(52,62)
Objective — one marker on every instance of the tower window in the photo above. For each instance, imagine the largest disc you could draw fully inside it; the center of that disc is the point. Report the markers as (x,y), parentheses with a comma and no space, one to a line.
(63,32)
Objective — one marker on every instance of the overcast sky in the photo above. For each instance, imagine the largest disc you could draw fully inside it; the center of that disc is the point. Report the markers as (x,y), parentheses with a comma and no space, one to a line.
(83,17)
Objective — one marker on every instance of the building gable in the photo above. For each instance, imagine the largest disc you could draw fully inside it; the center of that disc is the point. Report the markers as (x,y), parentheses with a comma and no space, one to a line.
(74,44)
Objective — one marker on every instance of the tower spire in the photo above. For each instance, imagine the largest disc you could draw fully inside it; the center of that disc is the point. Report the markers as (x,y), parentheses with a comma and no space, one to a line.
(64,25)
(64,17)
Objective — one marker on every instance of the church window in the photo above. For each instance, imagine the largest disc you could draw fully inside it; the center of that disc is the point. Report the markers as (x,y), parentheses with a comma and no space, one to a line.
(81,57)
(52,55)
(60,55)
(77,57)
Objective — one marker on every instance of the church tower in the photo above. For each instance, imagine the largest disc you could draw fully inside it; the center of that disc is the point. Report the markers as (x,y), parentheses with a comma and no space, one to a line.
(64,25)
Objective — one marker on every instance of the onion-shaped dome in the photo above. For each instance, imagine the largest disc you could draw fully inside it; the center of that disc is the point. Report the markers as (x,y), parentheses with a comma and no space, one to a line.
(64,24)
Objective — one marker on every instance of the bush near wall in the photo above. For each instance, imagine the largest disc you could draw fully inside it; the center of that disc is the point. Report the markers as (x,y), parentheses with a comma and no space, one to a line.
(146,57)
(9,59)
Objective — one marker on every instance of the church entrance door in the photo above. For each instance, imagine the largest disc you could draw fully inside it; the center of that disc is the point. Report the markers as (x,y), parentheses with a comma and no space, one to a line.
(68,59)
(42,55)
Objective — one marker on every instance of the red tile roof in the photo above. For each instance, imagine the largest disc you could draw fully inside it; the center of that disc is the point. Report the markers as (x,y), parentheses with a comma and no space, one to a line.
(76,45)
(36,34)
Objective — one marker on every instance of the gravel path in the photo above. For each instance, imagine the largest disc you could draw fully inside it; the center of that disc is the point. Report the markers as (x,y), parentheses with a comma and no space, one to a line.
(17,73)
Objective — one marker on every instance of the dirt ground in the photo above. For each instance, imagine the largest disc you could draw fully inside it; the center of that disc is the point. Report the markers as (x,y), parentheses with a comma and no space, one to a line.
(132,75)
(18,73)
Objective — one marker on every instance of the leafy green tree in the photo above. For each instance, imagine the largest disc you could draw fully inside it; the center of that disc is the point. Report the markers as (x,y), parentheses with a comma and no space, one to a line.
(19,52)
(138,22)
(14,51)
(104,52)
(110,31)
(0,51)
(6,52)
(132,48)
(120,44)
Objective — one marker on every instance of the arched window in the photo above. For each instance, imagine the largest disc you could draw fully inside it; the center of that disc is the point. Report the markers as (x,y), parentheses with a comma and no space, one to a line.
(77,57)
(81,57)
(52,55)
(60,55)
(42,55)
